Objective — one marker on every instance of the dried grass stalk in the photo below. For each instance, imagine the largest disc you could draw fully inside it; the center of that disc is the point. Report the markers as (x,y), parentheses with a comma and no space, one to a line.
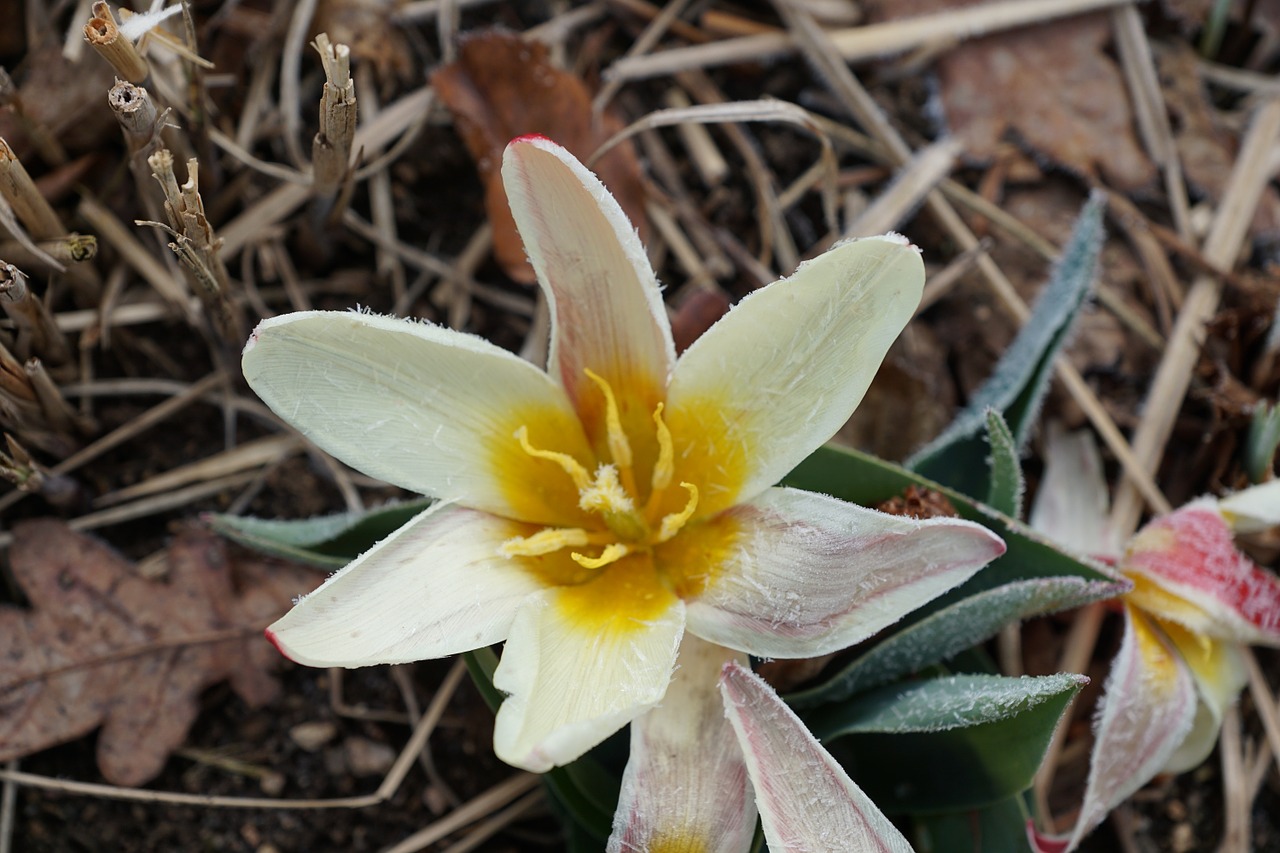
(102,33)
(194,242)
(72,249)
(31,208)
(30,476)
(37,333)
(331,149)
(136,113)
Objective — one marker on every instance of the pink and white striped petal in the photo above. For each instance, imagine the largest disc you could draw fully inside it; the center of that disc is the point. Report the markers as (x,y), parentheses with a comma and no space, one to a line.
(783,370)
(801,574)
(429,409)
(1199,579)
(606,308)
(807,802)
(1147,709)
(435,587)
(686,785)
(576,677)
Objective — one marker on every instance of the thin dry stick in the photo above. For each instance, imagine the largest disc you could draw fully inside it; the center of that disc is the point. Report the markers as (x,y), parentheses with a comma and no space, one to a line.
(102,33)
(703,152)
(477,836)
(8,807)
(1150,111)
(194,242)
(136,256)
(1235,834)
(652,34)
(402,116)
(70,249)
(252,454)
(382,205)
(28,204)
(917,178)
(290,74)
(866,42)
(1265,702)
(1173,376)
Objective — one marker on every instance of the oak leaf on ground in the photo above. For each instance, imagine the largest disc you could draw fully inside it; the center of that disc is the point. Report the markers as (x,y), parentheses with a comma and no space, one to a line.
(1052,87)
(501,87)
(104,647)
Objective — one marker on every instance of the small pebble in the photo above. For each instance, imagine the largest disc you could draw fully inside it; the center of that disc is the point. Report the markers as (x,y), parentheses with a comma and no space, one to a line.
(368,758)
(312,736)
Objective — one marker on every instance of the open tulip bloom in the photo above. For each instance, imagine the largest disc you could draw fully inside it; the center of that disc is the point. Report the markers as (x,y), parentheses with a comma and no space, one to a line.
(1196,603)
(614,519)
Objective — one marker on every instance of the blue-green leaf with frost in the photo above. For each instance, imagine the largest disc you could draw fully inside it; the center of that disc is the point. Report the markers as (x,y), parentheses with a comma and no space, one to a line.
(947,744)
(950,631)
(329,541)
(1005,489)
(1016,388)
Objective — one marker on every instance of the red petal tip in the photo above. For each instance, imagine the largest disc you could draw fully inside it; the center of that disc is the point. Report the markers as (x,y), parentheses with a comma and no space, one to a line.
(275,641)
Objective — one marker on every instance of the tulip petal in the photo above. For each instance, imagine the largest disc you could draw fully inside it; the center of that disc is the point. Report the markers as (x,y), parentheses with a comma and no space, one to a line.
(807,802)
(426,408)
(1146,712)
(797,574)
(1253,509)
(1071,503)
(686,785)
(435,587)
(578,667)
(782,371)
(1186,569)
(606,307)
(1220,673)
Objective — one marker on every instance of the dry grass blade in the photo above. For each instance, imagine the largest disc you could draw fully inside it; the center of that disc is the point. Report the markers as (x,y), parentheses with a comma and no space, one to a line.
(917,179)
(867,42)
(1173,376)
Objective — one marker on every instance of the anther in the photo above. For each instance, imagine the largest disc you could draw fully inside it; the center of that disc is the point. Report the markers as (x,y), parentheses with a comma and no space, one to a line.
(611,554)
(545,542)
(619,447)
(672,523)
(571,466)
(665,466)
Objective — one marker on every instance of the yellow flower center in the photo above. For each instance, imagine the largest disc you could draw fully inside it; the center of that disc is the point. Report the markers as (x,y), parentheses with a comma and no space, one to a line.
(629,524)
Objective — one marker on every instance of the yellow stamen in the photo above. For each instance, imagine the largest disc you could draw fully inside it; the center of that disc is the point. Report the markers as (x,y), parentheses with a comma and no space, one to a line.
(571,466)
(545,542)
(672,523)
(605,493)
(619,447)
(611,554)
(665,466)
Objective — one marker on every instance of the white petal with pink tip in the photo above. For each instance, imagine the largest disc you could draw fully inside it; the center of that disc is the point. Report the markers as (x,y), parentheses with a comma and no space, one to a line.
(807,802)
(435,587)
(807,574)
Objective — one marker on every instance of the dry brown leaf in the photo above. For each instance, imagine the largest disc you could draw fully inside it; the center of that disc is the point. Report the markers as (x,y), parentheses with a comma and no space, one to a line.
(1052,87)
(102,646)
(502,87)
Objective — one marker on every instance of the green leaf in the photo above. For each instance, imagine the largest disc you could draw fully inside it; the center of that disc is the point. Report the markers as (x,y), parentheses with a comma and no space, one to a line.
(1005,490)
(584,793)
(1016,388)
(329,541)
(997,828)
(950,631)
(863,479)
(947,744)
(1260,445)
